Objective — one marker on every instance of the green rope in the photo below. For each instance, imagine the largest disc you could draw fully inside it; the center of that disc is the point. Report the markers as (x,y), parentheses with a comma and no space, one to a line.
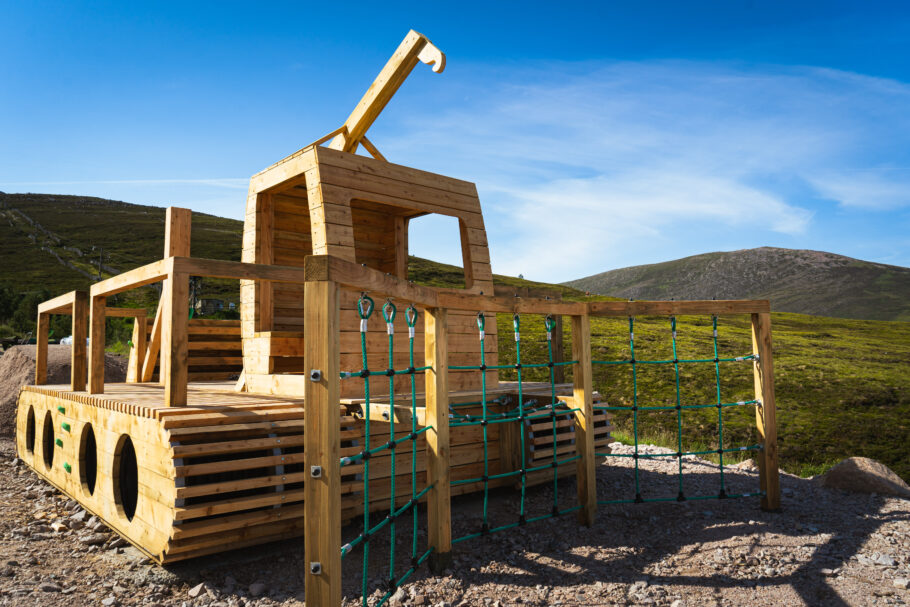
(681,495)
(720,409)
(481,327)
(410,316)
(365,313)
(388,315)
(634,405)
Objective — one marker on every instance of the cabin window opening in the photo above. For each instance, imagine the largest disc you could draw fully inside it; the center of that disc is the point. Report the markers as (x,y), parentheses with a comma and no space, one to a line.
(436,256)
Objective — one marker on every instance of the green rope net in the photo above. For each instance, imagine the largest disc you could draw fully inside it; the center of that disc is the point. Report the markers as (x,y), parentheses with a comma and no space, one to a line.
(523,415)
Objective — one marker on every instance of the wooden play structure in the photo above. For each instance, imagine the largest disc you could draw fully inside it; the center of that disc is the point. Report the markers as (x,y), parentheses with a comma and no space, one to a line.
(196,454)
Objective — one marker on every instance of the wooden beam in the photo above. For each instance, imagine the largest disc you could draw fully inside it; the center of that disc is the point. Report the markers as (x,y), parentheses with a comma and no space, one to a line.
(79,362)
(137,351)
(583,395)
(154,342)
(96,345)
(41,338)
(174,336)
(766,414)
(678,308)
(177,231)
(415,47)
(401,247)
(322,444)
(439,498)
(369,147)
(61,304)
(132,279)
(125,312)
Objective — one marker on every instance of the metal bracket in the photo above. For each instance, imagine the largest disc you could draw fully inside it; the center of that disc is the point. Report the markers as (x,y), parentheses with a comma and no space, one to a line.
(315,568)
(315,375)
(316,471)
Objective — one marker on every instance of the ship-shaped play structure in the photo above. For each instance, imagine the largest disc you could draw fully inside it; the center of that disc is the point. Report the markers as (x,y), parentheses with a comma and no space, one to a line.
(203,449)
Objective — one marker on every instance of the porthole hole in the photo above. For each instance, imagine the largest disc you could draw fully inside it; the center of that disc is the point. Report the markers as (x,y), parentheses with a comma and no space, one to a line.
(30,431)
(88,459)
(47,440)
(126,477)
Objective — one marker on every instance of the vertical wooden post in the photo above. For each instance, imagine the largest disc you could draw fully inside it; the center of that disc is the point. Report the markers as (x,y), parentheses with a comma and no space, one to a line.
(322,444)
(78,362)
(583,392)
(439,514)
(96,346)
(154,342)
(43,330)
(559,373)
(766,414)
(177,231)
(174,337)
(137,352)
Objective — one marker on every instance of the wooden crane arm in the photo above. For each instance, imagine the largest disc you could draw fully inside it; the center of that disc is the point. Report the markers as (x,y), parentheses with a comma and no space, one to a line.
(413,49)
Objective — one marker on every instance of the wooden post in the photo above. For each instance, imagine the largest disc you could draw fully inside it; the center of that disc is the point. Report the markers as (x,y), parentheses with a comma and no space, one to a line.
(174,338)
(137,352)
(41,337)
(96,346)
(583,393)
(766,413)
(322,445)
(559,373)
(177,231)
(154,342)
(78,362)
(439,504)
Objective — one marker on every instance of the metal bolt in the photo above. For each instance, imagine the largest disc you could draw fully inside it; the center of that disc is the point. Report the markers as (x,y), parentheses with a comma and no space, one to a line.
(315,568)
(316,471)
(315,375)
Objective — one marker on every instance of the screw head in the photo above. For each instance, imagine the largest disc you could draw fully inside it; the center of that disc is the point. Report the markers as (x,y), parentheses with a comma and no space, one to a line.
(315,375)
(315,568)
(316,471)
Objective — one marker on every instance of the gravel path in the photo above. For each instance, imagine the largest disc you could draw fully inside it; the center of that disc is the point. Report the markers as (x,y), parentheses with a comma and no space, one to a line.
(826,547)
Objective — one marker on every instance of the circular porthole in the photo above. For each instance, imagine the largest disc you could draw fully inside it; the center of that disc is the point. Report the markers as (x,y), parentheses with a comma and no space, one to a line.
(126,477)
(47,440)
(30,431)
(88,459)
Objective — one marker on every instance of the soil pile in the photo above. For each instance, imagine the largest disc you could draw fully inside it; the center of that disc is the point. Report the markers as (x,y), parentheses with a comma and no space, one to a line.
(17,369)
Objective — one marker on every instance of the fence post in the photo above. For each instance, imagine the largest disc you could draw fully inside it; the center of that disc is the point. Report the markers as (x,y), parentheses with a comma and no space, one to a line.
(96,346)
(174,336)
(41,337)
(322,444)
(78,360)
(583,393)
(439,513)
(766,414)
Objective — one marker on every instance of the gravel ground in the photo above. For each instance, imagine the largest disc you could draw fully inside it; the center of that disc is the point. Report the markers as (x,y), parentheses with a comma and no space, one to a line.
(826,547)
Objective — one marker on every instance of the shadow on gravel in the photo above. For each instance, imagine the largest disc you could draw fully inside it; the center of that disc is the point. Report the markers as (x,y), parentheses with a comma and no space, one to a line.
(669,543)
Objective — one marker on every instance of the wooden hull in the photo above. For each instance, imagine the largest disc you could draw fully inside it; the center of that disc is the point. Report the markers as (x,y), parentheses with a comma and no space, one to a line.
(227,470)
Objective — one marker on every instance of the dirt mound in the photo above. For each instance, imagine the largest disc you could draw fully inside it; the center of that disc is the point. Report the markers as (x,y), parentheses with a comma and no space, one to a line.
(864,475)
(17,369)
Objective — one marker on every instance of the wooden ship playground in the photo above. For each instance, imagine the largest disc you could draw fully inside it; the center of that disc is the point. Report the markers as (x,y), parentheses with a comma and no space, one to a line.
(364,402)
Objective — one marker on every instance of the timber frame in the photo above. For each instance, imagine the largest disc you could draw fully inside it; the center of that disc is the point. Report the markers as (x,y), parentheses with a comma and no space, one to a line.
(216,464)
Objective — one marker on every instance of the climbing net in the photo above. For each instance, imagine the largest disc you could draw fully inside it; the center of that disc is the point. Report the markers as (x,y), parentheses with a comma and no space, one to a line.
(635,409)
(531,412)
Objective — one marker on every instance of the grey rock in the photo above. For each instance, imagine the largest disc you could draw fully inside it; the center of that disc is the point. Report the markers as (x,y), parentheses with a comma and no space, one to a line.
(901,582)
(257,589)
(196,590)
(885,560)
(94,539)
(110,601)
(48,587)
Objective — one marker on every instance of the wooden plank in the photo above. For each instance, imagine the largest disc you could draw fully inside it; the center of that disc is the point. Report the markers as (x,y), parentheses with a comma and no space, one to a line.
(677,308)
(583,394)
(766,414)
(439,515)
(96,345)
(174,340)
(132,279)
(41,338)
(177,231)
(62,304)
(79,364)
(154,340)
(415,47)
(322,444)
(559,372)
(137,351)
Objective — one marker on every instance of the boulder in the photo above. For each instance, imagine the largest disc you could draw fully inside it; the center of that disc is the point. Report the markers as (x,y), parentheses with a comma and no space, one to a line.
(864,475)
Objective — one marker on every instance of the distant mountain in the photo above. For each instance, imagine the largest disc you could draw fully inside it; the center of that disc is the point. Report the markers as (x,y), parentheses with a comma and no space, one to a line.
(808,282)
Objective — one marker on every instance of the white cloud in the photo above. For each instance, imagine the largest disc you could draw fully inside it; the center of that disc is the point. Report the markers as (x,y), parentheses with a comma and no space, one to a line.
(625,163)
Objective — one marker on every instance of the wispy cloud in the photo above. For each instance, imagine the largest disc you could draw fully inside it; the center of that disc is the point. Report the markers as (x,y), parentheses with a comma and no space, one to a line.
(229,183)
(595,165)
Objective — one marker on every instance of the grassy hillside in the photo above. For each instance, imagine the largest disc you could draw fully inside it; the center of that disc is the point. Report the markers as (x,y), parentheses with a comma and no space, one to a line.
(807,282)
(842,385)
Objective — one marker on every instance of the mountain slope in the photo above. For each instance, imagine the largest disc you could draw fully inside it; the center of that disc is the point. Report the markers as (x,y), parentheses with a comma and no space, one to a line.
(807,282)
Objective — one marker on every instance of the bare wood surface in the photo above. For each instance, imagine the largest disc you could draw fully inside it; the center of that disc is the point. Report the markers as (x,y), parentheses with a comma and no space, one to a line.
(583,394)
(322,444)
(79,364)
(766,414)
(174,336)
(96,346)
(41,337)
(439,515)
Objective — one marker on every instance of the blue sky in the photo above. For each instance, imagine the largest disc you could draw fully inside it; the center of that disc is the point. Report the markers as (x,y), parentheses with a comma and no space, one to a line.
(600,135)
